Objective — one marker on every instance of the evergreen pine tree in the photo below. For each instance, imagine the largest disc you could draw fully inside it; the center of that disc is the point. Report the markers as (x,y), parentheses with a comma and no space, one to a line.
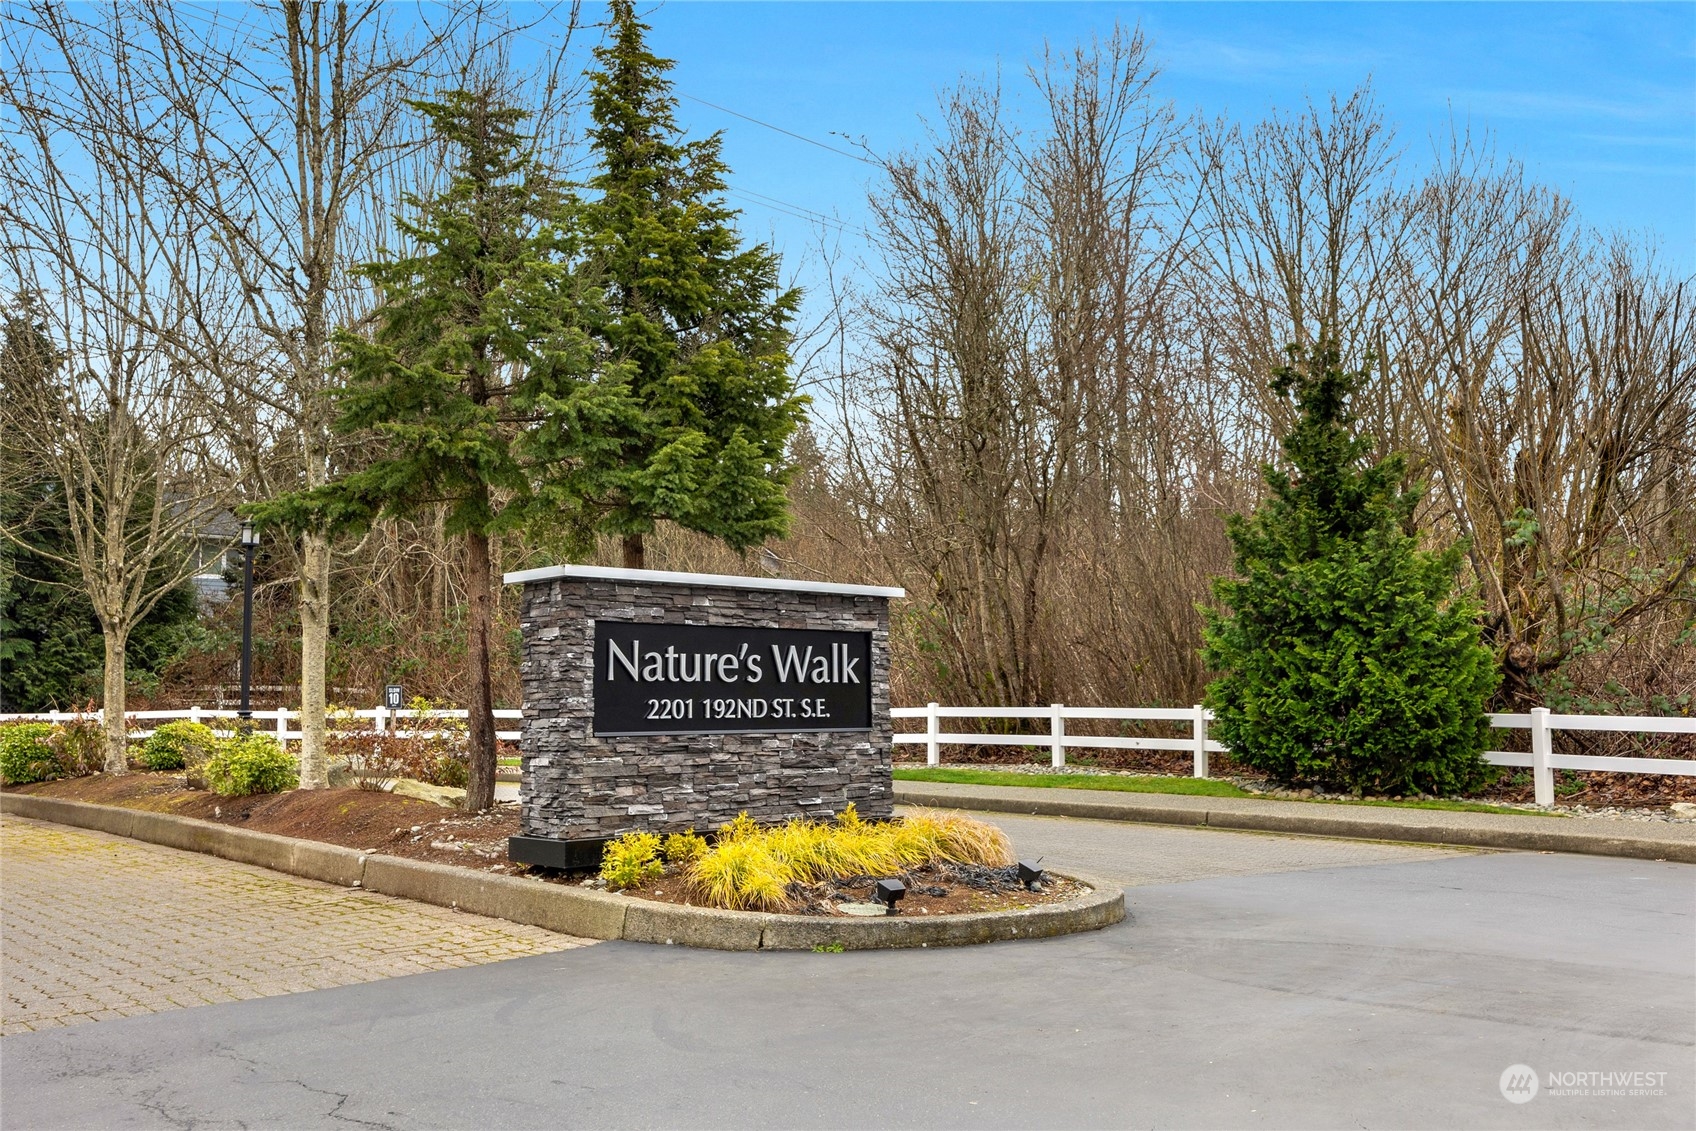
(691,405)
(1348,656)
(467,338)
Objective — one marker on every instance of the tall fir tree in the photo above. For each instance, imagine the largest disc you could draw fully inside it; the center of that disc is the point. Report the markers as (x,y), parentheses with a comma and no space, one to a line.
(691,404)
(468,335)
(1348,656)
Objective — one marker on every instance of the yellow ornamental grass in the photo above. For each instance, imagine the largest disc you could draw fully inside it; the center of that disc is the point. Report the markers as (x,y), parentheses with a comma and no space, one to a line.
(741,875)
(960,840)
(754,868)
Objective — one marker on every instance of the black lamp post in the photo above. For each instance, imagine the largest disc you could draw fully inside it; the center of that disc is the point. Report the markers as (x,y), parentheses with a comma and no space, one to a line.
(249,540)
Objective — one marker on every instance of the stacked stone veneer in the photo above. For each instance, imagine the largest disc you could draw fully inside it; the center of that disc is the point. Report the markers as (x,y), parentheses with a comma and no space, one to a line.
(580,787)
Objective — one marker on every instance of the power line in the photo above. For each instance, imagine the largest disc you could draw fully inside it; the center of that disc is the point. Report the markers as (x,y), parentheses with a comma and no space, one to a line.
(779,129)
(798,211)
(737,114)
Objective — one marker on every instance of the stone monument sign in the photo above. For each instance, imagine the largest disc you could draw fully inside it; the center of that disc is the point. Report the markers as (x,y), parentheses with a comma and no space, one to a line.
(663,701)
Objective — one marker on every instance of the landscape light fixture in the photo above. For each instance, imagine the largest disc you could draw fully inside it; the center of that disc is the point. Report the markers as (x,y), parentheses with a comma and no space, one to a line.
(249,542)
(1029,874)
(889,891)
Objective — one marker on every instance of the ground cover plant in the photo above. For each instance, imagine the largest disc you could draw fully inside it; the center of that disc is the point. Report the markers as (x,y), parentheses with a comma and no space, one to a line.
(769,868)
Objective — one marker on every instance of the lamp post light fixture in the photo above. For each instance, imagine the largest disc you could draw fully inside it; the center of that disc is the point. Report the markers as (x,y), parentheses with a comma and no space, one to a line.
(888,891)
(249,542)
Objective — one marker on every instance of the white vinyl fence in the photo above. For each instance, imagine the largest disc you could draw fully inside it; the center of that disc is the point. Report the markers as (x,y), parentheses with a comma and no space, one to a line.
(385,721)
(1541,758)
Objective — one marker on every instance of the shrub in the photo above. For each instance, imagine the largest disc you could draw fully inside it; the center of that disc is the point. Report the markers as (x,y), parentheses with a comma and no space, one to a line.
(26,754)
(441,757)
(685,847)
(630,859)
(449,770)
(172,746)
(251,763)
(737,828)
(1348,656)
(80,746)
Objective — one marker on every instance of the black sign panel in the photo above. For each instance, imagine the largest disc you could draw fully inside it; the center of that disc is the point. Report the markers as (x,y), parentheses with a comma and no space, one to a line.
(698,679)
(392,695)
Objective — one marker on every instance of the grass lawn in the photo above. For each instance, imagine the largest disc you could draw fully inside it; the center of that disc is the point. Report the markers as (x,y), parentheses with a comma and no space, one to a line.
(1151,783)
(1452,806)
(1123,783)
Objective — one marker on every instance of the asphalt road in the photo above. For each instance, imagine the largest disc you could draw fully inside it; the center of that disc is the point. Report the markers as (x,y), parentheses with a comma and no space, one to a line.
(1136,855)
(1389,994)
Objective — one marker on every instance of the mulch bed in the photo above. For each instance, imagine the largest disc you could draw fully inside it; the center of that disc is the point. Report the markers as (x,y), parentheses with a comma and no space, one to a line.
(368,820)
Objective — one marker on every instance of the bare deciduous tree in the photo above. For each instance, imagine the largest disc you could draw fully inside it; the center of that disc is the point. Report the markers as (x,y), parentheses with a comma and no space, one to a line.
(103,251)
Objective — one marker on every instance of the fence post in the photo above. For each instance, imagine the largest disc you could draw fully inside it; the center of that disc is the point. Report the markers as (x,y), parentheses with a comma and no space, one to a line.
(1542,776)
(933,727)
(1200,732)
(283,727)
(194,713)
(382,714)
(1057,736)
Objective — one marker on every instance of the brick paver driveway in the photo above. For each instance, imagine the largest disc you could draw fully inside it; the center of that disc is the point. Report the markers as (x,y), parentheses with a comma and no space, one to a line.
(94,927)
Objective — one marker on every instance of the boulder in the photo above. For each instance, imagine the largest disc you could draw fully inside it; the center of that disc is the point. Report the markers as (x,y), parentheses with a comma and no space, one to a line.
(443,795)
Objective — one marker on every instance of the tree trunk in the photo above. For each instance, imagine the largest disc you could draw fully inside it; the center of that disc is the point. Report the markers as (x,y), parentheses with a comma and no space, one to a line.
(635,552)
(117,734)
(314,637)
(480,791)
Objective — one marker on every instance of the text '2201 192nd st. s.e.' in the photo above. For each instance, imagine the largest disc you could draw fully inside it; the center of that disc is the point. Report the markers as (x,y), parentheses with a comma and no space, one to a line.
(666,678)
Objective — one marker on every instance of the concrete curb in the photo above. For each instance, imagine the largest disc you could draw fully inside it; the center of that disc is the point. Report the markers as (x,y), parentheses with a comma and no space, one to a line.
(1534,835)
(570,910)
(668,923)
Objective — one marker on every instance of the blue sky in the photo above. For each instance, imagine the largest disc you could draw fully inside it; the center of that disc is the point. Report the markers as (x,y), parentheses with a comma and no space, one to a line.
(1598,100)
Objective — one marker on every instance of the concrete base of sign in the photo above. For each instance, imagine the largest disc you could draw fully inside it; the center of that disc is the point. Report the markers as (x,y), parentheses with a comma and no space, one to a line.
(547,852)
